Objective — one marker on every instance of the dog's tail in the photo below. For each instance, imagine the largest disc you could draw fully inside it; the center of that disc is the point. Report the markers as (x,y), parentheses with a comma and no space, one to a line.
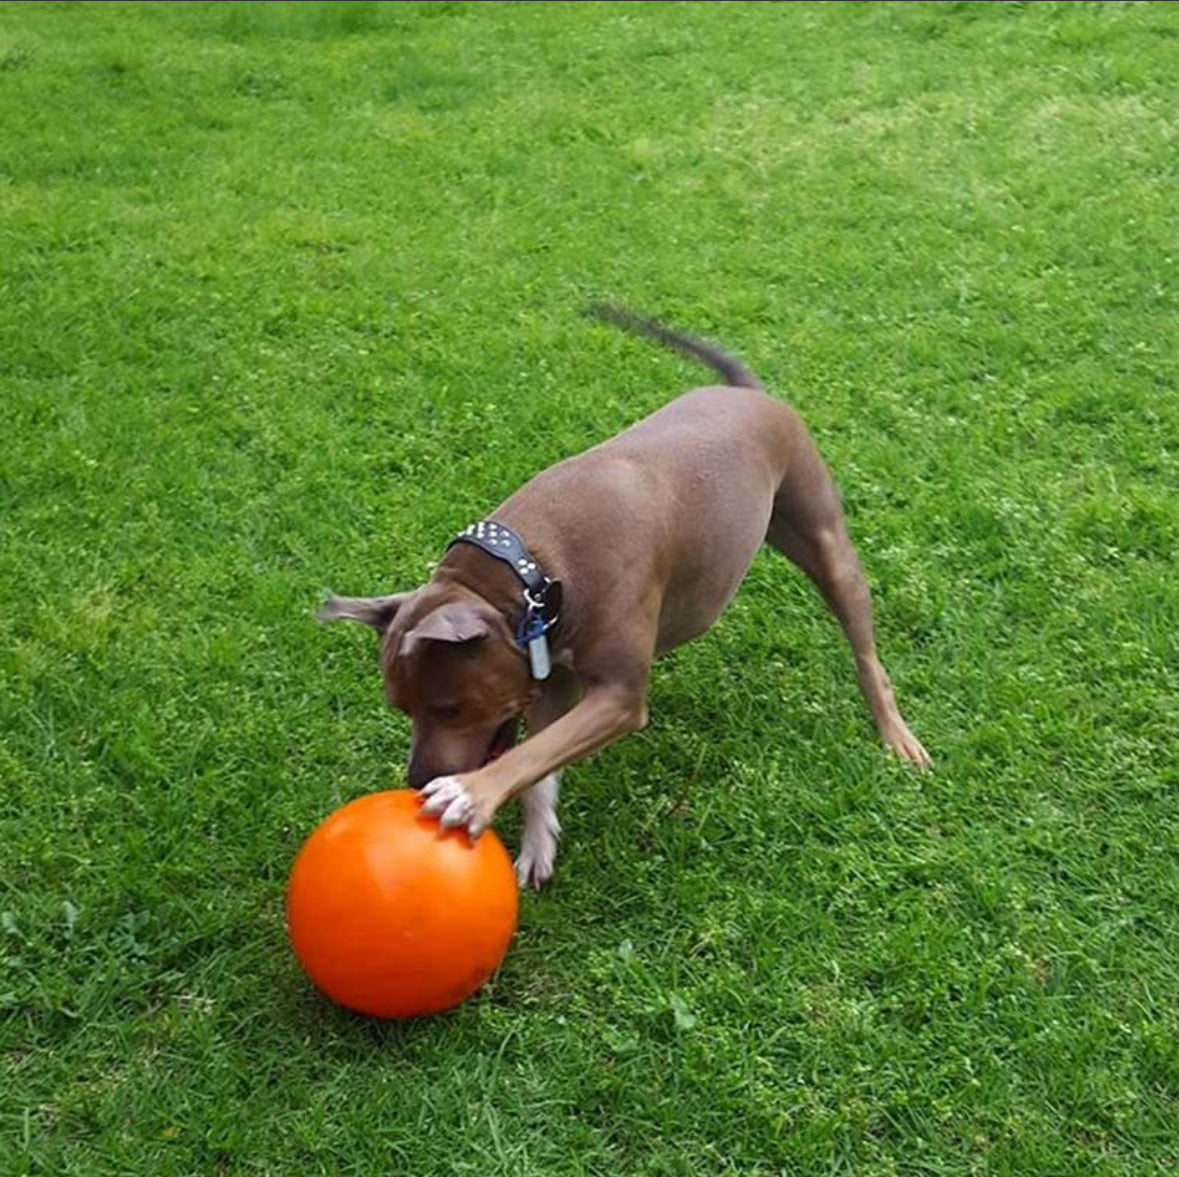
(732,370)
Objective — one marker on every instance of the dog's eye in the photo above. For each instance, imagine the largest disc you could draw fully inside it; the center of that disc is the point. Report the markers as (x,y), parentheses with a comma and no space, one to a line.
(446,713)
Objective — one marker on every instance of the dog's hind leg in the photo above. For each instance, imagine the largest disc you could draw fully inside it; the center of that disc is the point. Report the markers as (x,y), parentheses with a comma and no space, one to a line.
(807,526)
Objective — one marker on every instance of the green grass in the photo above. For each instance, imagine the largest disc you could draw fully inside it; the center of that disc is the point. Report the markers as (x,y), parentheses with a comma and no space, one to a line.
(288,293)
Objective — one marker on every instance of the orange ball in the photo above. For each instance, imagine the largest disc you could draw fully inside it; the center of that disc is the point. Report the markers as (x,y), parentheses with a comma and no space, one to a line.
(392,915)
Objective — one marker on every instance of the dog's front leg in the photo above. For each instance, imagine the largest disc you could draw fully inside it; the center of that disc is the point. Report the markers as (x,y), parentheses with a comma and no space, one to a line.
(541,830)
(605,714)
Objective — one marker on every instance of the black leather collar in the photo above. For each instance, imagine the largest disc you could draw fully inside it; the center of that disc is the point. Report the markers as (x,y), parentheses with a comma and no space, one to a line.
(542,594)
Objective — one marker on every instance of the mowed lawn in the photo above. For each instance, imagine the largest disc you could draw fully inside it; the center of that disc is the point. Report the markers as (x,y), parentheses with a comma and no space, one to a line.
(290,292)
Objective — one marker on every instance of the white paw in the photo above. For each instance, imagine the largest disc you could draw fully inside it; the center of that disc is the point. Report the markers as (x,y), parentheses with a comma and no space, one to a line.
(448,800)
(542,832)
(535,862)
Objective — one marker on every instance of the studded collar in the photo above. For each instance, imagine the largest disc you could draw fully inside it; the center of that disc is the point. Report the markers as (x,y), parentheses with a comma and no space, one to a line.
(542,594)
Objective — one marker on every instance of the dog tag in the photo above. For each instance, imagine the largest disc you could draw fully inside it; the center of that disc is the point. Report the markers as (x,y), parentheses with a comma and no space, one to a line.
(538,658)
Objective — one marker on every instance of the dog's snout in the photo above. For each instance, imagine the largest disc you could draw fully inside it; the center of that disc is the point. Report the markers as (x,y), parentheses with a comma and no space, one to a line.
(421,773)
(423,769)
(436,753)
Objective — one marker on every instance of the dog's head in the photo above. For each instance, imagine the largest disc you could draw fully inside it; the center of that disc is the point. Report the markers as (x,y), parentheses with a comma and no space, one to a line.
(449,662)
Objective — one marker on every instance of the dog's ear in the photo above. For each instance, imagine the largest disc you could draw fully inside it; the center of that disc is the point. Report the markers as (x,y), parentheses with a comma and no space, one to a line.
(457,622)
(375,611)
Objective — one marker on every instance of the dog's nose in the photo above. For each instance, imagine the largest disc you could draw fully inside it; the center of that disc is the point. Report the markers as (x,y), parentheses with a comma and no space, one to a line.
(423,769)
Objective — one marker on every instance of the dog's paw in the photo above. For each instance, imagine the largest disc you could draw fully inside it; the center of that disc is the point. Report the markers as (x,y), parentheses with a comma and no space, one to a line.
(542,832)
(906,745)
(537,857)
(448,799)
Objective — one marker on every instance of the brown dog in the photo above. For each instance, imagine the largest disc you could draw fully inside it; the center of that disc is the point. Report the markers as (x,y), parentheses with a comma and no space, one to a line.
(649,535)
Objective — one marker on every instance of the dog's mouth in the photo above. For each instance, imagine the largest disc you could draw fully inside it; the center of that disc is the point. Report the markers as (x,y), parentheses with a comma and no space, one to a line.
(504,738)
